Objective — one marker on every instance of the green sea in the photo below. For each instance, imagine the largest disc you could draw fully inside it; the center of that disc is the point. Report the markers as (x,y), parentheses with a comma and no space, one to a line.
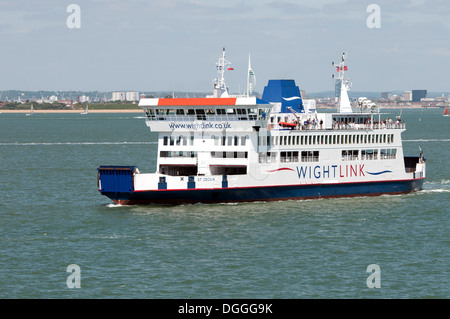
(52,217)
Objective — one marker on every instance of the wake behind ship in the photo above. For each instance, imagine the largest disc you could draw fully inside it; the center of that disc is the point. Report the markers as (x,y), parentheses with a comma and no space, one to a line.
(227,148)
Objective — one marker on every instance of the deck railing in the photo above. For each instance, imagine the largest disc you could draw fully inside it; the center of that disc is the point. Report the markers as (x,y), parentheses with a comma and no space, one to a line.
(337,127)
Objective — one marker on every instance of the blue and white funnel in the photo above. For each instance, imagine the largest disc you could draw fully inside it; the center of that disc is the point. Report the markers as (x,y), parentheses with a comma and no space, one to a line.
(284,93)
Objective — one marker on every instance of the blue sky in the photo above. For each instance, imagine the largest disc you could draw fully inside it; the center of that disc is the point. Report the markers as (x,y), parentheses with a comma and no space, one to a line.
(174,44)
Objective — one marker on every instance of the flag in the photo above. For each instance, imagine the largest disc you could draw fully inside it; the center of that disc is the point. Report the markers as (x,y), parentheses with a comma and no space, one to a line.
(230,69)
(345,68)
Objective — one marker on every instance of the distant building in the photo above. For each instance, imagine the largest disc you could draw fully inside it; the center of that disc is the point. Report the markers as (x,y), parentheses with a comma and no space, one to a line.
(132,96)
(84,98)
(406,96)
(418,94)
(66,102)
(386,95)
(118,96)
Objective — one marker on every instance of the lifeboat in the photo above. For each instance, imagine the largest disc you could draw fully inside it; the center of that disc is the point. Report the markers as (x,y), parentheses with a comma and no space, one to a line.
(285,124)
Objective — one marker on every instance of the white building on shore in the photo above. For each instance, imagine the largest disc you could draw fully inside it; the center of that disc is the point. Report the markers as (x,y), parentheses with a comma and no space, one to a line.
(118,96)
(132,96)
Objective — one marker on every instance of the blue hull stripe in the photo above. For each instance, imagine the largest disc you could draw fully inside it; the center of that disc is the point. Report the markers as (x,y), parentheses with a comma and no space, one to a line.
(266,193)
(379,173)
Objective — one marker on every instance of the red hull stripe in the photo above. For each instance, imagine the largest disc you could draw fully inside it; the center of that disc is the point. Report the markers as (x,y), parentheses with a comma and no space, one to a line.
(281,169)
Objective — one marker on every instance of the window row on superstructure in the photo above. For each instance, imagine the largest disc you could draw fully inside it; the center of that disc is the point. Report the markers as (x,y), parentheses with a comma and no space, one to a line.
(327,139)
(202,114)
(183,140)
(354,155)
(313,156)
(289,156)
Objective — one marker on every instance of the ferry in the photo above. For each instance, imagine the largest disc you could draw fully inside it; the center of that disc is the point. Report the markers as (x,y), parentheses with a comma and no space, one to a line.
(224,148)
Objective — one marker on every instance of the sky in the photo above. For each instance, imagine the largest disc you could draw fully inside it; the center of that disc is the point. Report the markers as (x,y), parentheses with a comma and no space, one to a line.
(173,45)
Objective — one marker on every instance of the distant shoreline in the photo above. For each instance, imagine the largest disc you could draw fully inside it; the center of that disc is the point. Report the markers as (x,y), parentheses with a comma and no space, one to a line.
(75,111)
(141,111)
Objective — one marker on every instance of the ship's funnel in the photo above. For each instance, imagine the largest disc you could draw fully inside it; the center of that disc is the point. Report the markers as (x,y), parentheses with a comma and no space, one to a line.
(285,93)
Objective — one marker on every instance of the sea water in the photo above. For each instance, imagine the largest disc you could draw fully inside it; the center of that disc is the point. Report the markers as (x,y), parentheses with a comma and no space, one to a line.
(59,238)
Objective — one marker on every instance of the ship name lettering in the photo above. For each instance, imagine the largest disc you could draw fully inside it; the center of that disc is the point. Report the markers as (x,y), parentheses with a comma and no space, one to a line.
(329,171)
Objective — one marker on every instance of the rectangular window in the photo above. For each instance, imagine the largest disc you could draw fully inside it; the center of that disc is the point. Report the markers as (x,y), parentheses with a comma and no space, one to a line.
(350,155)
(369,154)
(388,153)
(200,114)
(166,140)
(310,156)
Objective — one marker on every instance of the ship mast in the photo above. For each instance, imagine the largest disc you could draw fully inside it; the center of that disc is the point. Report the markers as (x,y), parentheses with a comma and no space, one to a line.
(344,101)
(220,88)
